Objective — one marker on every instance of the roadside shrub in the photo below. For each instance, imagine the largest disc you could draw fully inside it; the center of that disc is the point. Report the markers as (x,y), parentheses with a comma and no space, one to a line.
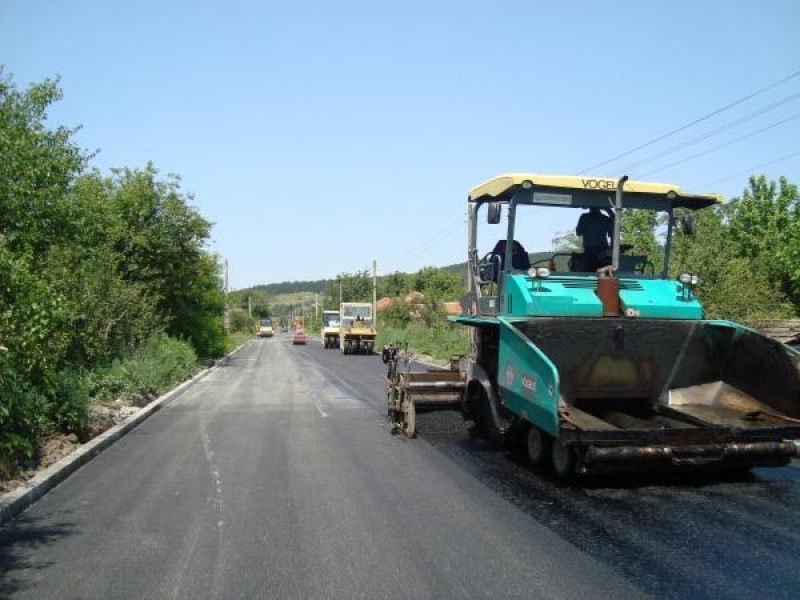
(240,321)
(28,413)
(236,339)
(208,336)
(440,342)
(434,316)
(153,368)
(68,405)
(21,410)
(397,315)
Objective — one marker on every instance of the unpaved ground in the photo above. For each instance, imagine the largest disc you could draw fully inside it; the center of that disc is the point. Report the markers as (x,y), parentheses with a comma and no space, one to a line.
(51,449)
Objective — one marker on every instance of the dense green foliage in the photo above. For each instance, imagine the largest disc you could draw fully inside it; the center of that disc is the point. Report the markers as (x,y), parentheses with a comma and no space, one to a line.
(745,252)
(439,343)
(236,339)
(151,369)
(96,274)
(436,285)
(292,287)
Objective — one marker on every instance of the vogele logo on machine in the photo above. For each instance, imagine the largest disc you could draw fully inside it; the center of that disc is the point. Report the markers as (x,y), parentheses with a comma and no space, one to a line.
(528,382)
(599,184)
(510,375)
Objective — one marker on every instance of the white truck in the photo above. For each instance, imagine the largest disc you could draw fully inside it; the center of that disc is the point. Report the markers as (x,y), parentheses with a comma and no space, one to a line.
(330,328)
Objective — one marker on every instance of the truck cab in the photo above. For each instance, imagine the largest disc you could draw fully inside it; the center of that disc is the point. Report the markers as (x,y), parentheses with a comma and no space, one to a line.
(330,328)
(357,328)
(264,328)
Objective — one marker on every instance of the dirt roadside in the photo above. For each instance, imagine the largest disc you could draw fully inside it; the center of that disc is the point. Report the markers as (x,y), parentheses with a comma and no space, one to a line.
(51,449)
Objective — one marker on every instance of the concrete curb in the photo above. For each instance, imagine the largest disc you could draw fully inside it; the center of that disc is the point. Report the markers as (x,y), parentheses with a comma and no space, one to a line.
(17,500)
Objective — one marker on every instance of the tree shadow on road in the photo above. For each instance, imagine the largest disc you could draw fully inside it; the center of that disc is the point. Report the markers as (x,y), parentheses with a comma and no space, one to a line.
(20,540)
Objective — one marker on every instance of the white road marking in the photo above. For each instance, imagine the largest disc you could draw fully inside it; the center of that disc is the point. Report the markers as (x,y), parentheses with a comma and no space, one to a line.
(212,467)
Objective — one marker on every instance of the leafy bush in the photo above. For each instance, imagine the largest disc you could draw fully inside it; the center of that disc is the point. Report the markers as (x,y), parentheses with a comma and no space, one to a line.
(28,413)
(68,405)
(20,412)
(236,339)
(440,343)
(397,315)
(153,368)
(91,267)
(240,321)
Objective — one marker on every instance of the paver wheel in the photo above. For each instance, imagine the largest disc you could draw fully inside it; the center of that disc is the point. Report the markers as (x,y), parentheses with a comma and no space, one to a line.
(408,427)
(538,445)
(482,414)
(563,459)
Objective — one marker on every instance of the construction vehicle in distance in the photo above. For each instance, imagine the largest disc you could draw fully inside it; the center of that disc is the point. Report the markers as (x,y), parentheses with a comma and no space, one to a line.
(613,369)
(356,328)
(264,328)
(330,329)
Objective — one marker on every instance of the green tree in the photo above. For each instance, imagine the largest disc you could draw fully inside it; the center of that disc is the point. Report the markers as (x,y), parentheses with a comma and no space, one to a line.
(566,241)
(37,168)
(39,389)
(730,287)
(638,228)
(354,287)
(393,285)
(258,301)
(108,315)
(91,269)
(437,284)
(397,315)
(764,226)
(160,239)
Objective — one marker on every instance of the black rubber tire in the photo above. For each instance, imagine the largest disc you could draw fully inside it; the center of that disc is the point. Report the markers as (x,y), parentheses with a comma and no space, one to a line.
(563,459)
(482,415)
(538,446)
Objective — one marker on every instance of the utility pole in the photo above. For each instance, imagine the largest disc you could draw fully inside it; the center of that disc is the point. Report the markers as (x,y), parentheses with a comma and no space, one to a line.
(374,292)
(226,321)
(250,305)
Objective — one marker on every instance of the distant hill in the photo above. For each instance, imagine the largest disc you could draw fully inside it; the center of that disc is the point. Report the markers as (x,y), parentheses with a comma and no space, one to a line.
(319,286)
(462,267)
(294,287)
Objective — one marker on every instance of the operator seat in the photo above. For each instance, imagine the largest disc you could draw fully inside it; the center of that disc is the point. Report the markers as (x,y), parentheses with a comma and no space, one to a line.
(520,261)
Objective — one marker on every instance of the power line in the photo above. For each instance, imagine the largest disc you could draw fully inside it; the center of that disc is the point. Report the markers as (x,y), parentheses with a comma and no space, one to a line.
(715,148)
(442,235)
(447,228)
(712,133)
(695,122)
(749,170)
(445,235)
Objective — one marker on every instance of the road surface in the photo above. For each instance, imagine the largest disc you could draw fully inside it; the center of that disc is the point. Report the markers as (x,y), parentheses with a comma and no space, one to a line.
(276,476)
(273,477)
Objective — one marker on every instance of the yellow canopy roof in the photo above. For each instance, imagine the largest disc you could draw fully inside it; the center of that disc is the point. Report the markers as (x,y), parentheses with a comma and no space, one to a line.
(576,190)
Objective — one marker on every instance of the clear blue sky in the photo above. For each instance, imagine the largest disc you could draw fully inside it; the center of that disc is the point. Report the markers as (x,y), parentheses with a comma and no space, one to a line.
(319,136)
